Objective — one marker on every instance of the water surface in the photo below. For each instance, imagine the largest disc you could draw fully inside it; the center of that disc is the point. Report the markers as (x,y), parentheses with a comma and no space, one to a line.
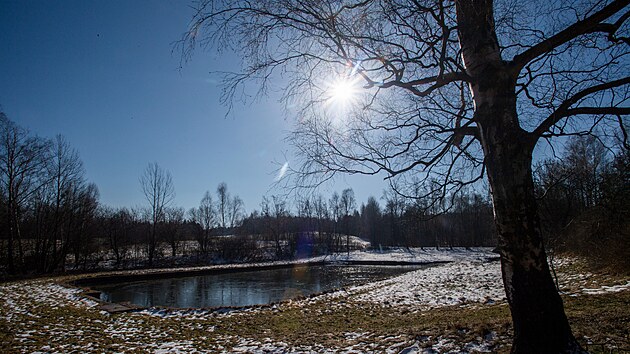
(245,288)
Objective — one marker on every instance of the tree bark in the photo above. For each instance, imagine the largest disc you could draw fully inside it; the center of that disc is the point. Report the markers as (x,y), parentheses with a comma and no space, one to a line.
(540,324)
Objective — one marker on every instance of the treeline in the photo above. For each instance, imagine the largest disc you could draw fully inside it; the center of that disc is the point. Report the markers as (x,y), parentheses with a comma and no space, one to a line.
(585,202)
(51,219)
(325,225)
(47,208)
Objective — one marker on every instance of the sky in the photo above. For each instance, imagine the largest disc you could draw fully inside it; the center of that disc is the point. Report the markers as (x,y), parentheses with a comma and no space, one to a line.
(104,75)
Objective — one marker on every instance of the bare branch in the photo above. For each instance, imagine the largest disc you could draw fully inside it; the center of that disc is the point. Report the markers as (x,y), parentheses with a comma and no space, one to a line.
(587,25)
(565,110)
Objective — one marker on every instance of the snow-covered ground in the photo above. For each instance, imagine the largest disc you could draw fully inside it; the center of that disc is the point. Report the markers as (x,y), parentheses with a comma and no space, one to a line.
(450,284)
(415,255)
(43,316)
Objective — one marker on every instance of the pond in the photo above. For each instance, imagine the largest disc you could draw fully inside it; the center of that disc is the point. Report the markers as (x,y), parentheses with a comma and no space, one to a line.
(245,288)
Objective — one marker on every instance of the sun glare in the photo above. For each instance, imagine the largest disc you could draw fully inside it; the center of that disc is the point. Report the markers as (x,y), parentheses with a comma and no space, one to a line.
(343,91)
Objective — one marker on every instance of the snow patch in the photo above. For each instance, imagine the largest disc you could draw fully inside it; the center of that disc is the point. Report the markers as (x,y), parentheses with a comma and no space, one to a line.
(448,284)
(607,289)
(468,280)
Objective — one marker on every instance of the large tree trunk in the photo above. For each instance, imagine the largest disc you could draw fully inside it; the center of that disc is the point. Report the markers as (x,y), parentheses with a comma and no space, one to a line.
(540,324)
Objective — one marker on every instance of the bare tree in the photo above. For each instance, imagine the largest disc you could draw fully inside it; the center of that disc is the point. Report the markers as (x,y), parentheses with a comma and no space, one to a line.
(455,90)
(229,210)
(371,222)
(586,158)
(275,213)
(223,205)
(159,192)
(394,208)
(66,176)
(174,220)
(117,225)
(333,240)
(205,215)
(22,174)
(306,211)
(236,211)
(348,206)
(304,207)
(83,205)
(321,213)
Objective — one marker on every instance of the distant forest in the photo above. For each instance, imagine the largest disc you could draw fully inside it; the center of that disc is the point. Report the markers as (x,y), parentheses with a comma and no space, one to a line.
(51,219)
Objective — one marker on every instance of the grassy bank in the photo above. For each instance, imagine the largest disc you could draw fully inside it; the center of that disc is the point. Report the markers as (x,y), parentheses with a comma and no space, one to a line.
(40,315)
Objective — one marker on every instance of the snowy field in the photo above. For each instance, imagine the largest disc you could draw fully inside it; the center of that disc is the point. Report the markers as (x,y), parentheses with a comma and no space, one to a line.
(43,316)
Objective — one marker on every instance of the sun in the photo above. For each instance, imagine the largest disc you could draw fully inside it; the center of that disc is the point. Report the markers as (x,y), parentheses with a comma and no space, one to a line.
(343,91)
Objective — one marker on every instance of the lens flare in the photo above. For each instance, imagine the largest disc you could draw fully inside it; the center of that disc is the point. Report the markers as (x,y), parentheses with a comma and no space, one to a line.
(282,171)
(343,91)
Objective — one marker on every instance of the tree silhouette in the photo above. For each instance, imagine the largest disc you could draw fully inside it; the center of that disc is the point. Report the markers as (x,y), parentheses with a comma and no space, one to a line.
(23,161)
(453,91)
(159,191)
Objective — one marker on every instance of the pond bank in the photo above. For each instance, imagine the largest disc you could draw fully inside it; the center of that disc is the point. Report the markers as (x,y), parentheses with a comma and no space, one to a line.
(124,301)
(456,306)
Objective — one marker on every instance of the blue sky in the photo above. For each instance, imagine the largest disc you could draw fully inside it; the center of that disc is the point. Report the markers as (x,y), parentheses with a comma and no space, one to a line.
(103,74)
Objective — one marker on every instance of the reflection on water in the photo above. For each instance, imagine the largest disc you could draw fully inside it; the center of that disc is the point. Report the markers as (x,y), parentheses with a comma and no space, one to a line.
(245,288)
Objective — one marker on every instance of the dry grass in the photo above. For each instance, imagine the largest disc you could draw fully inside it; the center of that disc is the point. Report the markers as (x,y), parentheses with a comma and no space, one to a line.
(600,322)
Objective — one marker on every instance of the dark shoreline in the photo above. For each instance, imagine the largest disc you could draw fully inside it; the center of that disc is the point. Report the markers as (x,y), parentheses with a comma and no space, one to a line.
(152,274)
